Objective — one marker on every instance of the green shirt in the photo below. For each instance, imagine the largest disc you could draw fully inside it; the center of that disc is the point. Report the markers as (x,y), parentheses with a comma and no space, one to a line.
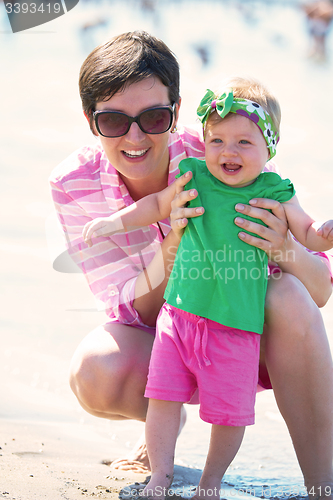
(215,274)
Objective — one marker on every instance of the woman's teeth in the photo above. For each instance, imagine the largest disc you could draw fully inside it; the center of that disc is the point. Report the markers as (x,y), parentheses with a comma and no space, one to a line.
(135,154)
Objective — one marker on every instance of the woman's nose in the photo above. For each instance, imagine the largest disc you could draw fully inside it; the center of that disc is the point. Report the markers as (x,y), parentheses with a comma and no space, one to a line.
(135,134)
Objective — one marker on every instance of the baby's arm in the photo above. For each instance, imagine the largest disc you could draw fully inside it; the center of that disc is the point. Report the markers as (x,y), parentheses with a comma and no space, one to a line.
(302,227)
(147,210)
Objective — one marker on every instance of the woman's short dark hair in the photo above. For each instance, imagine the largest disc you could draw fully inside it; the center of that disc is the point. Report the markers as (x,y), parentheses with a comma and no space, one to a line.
(125,59)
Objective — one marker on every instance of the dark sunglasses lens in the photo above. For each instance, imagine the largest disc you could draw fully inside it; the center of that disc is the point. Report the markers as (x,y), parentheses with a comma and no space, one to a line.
(156,121)
(112,124)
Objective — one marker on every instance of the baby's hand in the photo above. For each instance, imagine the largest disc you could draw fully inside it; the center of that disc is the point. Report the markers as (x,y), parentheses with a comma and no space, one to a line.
(102,226)
(326,231)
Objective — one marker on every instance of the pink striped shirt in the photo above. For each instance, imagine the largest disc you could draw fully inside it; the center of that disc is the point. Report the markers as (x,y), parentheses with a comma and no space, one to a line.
(86,186)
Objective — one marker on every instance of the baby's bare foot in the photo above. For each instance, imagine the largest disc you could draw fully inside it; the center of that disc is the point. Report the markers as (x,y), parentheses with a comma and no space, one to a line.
(137,460)
(158,487)
(210,492)
(206,497)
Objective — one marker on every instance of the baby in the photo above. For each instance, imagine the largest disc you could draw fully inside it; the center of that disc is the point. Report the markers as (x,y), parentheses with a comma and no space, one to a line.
(208,330)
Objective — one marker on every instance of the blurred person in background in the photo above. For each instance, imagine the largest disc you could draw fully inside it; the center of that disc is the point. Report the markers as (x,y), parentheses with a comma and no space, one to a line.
(319,16)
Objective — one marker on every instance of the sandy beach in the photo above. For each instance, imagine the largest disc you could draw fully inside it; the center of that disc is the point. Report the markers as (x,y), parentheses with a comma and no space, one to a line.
(50,448)
(41,461)
(61,458)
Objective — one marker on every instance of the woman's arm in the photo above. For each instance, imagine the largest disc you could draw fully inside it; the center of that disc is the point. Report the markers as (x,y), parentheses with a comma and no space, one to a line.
(301,225)
(277,242)
(150,284)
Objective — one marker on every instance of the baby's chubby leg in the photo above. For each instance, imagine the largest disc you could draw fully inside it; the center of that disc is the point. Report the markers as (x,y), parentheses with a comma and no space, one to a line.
(162,426)
(224,444)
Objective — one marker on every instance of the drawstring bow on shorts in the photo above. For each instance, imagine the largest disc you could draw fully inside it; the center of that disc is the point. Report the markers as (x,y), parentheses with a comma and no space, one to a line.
(200,343)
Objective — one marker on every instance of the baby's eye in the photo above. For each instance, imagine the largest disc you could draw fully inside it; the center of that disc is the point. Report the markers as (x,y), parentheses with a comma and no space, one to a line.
(217,141)
(244,141)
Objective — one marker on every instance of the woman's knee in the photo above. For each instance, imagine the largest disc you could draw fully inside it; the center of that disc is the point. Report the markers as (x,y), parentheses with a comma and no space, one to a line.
(101,370)
(94,380)
(288,301)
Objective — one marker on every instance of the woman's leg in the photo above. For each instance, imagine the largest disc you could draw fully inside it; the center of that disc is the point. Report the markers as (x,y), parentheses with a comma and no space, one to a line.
(299,363)
(108,376)
(109,372)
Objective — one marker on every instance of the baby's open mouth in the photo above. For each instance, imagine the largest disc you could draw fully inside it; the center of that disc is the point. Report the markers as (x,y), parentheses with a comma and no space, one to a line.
(231,167)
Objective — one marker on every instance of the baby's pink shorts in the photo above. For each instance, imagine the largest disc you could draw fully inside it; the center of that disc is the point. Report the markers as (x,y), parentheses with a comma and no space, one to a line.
(191,353)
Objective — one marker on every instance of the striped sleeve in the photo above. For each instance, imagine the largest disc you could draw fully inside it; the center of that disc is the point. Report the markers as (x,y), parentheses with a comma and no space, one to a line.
(111,265)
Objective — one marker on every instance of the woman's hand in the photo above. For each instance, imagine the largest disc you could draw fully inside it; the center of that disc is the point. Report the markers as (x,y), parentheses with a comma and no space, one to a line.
(179,211)
(280,247)
(326,231)
(275,239)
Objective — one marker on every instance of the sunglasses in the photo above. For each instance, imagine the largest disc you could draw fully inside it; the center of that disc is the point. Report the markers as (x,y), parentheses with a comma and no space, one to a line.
(151,121)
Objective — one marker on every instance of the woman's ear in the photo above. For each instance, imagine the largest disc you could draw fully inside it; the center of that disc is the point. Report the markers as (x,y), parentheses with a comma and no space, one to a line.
(177,107)
(91,124)
(176,115)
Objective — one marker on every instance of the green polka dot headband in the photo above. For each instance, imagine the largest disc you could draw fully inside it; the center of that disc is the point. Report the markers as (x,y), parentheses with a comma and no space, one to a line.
(226,103)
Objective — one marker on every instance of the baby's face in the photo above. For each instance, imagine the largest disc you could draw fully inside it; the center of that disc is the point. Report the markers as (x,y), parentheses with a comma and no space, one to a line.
(236,151)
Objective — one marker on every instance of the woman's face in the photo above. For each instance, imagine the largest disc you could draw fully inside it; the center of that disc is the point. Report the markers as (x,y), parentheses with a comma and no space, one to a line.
(137,155)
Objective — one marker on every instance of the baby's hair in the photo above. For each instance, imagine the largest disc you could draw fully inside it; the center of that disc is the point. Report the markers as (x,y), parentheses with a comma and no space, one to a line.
(249,88)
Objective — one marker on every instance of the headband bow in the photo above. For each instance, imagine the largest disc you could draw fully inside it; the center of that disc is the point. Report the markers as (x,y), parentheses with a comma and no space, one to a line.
(226,103)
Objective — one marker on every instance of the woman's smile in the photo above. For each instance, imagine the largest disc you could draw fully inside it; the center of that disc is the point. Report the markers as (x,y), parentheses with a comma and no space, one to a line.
(136,154)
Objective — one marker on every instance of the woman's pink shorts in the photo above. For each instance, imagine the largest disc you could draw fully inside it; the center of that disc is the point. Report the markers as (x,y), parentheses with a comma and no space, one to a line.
(191,353)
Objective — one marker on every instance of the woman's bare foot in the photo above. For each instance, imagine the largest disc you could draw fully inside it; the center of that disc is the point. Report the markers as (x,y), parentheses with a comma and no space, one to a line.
(137,460)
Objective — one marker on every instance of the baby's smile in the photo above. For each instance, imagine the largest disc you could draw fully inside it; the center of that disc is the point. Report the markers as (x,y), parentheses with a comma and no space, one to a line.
(231,168)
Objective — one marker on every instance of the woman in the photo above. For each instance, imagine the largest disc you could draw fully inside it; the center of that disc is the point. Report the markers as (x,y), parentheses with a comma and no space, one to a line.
(136,75)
